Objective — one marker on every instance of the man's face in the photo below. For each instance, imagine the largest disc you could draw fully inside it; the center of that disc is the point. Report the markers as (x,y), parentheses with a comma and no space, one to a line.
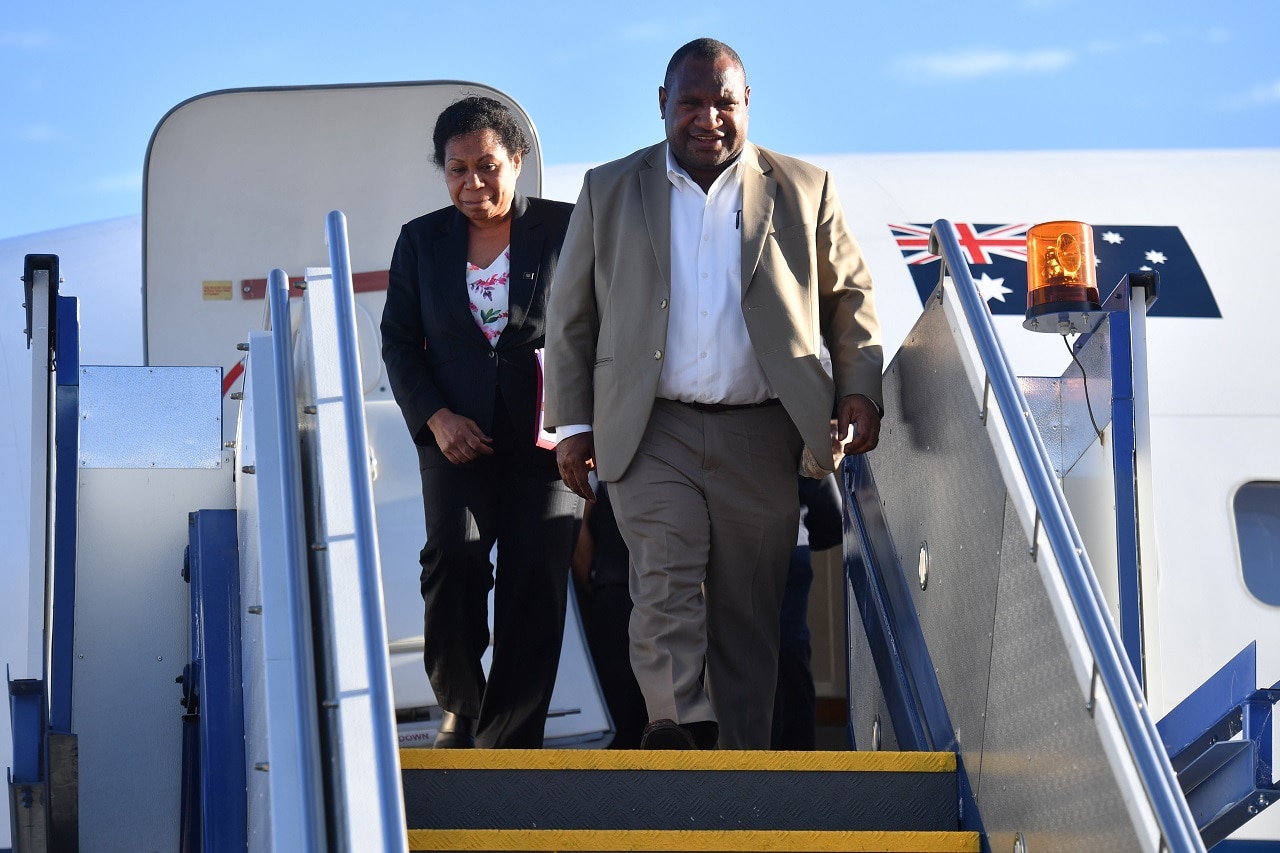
(706,115)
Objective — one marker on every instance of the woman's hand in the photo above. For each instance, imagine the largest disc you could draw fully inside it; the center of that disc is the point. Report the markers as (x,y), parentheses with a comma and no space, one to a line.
(460,439)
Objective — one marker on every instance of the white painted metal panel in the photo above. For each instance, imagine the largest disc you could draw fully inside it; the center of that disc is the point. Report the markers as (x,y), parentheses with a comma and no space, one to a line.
(131,643)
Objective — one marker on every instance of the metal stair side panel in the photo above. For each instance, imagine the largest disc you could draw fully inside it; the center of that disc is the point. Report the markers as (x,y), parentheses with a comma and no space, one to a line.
(1032,754)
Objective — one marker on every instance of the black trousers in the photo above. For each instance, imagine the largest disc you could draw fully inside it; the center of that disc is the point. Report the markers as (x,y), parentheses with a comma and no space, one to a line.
(516,499)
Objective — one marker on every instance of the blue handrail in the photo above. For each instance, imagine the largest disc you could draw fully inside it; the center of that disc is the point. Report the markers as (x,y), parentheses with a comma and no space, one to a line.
(1174,817)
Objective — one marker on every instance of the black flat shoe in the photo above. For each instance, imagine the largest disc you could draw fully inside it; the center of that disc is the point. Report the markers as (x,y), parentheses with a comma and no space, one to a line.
(456,732)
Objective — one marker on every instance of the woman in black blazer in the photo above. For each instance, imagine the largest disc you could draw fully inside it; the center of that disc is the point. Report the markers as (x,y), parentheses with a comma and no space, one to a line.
(465,311)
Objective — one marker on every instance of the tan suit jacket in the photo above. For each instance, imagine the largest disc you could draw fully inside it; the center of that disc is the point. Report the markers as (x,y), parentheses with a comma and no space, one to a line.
(803,276)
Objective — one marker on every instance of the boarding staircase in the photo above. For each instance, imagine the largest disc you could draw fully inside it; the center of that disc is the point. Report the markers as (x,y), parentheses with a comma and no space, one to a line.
(992,700)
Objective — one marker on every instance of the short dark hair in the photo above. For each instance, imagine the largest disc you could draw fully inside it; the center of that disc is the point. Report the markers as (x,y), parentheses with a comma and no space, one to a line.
(473,114)
(704,48)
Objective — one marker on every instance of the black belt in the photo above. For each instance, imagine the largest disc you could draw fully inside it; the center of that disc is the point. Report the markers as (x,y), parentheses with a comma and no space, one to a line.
(729,407)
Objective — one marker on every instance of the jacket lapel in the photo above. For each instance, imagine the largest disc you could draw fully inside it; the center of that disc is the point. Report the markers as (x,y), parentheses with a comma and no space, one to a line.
(527,238)
(450,268)
(656,201)
(758,191)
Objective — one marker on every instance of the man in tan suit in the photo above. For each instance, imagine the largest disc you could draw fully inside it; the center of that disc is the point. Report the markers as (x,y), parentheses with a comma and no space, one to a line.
(695,283)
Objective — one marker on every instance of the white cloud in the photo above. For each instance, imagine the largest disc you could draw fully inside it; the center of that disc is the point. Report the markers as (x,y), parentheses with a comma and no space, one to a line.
(977,62)
(643,32)
(667,30)
(126,182)
(1259,96)
(39,133)
(25,41)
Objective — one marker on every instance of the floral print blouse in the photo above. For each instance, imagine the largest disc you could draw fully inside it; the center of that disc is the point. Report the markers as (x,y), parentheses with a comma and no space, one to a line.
(489,294)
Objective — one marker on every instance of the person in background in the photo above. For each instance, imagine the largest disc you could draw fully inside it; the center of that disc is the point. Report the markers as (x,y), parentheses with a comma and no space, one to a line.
(601,569)
(697,279)
(795,706)
(465,312)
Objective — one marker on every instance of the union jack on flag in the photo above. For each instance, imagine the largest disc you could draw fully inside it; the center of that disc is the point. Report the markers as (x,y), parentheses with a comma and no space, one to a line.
(997,259)
(980,243)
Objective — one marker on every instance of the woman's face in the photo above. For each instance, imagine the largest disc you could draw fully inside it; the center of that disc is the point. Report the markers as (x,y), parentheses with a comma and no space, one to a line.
(481,176)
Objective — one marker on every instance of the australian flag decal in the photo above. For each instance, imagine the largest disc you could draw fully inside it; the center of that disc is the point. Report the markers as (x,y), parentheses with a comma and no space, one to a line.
(997,257)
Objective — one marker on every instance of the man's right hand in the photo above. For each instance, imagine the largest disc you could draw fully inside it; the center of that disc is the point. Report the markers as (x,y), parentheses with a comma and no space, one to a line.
(576,456)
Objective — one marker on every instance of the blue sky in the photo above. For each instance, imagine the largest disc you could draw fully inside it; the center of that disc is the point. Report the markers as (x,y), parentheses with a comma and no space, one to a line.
(82,85)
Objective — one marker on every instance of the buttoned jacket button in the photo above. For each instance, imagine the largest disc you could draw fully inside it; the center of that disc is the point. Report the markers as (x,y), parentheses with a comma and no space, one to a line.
(492,354)
(657,354)
(663,304)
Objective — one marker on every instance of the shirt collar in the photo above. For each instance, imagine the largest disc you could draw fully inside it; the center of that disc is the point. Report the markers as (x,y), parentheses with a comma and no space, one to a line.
(679,178)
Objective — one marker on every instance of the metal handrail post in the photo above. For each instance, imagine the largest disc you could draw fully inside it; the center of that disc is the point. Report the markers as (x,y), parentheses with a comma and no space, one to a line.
(382,706)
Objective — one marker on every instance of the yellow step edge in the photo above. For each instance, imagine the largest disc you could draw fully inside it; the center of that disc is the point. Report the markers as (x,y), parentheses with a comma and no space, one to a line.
(688,841)
(636,759)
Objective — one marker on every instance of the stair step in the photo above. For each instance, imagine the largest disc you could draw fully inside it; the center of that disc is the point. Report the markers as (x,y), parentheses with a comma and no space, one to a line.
(689,841)
(674,800)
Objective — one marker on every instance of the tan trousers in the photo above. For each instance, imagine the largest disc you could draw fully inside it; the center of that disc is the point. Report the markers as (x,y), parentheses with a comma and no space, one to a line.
(709,511)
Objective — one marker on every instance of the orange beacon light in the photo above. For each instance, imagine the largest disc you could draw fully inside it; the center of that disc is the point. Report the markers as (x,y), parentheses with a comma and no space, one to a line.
(1061,280)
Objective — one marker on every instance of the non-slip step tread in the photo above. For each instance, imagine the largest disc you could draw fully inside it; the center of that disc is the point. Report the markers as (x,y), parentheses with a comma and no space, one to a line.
(690,841)
(694,799)
(638,759)
(665,791)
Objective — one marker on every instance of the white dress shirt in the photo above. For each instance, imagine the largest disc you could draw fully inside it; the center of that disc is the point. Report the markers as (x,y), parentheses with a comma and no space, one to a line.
(709,357)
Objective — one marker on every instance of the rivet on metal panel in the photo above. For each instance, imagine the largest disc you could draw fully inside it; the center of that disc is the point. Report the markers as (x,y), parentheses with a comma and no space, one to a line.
(923,565)
(255,609)
(249,469)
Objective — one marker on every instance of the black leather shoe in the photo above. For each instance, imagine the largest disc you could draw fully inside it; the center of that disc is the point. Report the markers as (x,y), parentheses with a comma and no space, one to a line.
(668,734)
(456,732)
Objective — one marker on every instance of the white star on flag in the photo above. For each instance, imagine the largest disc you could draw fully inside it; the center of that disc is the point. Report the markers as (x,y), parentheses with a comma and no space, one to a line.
(992,288)
(1156,257)
(1112,237)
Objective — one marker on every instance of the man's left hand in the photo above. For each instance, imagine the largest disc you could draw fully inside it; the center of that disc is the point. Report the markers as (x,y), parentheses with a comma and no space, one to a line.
(858,411)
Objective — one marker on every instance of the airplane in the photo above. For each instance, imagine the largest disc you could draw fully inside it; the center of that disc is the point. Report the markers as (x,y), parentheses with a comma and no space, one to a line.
(240,183)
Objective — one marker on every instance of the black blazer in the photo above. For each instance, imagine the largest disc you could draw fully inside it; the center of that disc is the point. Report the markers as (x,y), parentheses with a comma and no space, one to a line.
(436,355)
